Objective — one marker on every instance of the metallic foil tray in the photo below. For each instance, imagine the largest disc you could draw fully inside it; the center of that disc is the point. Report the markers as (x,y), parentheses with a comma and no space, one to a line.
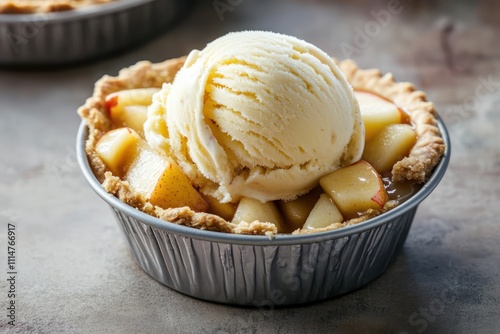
(83,34)
(258,271)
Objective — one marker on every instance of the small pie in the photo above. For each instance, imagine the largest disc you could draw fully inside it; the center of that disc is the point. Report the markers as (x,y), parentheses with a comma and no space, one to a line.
(403,145)
(44,6)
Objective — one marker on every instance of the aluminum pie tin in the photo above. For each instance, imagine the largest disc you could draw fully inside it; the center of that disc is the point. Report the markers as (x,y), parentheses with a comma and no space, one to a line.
(256,270)
(88,33)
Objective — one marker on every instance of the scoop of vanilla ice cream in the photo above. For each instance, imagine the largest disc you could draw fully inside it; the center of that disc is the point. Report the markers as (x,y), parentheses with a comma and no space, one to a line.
(257,114)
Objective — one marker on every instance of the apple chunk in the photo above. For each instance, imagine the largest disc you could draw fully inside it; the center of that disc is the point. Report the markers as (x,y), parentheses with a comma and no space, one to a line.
(130,97)
(355,189)
(389,146)
(296,212)
(129,107)
(129,116)
(324,213)
(117,149)
(224,210)
(250,209)
(377,113)
(162,182)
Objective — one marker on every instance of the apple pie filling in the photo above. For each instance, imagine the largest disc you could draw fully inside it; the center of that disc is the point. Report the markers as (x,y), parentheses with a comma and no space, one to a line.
(402,146)
(350,193)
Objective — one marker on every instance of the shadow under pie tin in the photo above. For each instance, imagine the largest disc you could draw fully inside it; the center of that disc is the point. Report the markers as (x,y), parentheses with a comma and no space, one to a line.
(256,270)
(62,38)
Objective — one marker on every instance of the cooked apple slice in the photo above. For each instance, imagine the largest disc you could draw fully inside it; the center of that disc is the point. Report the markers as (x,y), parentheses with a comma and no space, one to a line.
(324,213)
(129,116)
(162,182)
(130,97)
(225,210)
(296,212)
(117,149)
(355,189)
(377,113)
(389,146)
(129,107)
(250,209)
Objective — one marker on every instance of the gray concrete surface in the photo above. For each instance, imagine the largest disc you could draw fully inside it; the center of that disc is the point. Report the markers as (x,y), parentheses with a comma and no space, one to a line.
(76,275)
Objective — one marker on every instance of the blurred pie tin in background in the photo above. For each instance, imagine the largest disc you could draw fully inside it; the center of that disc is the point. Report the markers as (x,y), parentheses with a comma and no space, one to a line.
(255,270)
(78,35)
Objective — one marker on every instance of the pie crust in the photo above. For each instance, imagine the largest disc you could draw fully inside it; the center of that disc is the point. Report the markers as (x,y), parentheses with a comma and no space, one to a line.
(416,168)
(430,147)
(44,6)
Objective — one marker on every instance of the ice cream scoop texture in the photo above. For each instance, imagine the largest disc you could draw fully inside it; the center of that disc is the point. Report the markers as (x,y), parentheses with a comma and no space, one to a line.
(257,114)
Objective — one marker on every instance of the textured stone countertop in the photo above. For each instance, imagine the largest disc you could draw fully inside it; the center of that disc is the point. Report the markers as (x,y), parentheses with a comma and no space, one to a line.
(76,274)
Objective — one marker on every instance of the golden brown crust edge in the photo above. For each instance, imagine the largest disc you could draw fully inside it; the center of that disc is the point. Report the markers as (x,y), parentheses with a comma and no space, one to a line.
(430,147)
(45,6)
(416,167)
